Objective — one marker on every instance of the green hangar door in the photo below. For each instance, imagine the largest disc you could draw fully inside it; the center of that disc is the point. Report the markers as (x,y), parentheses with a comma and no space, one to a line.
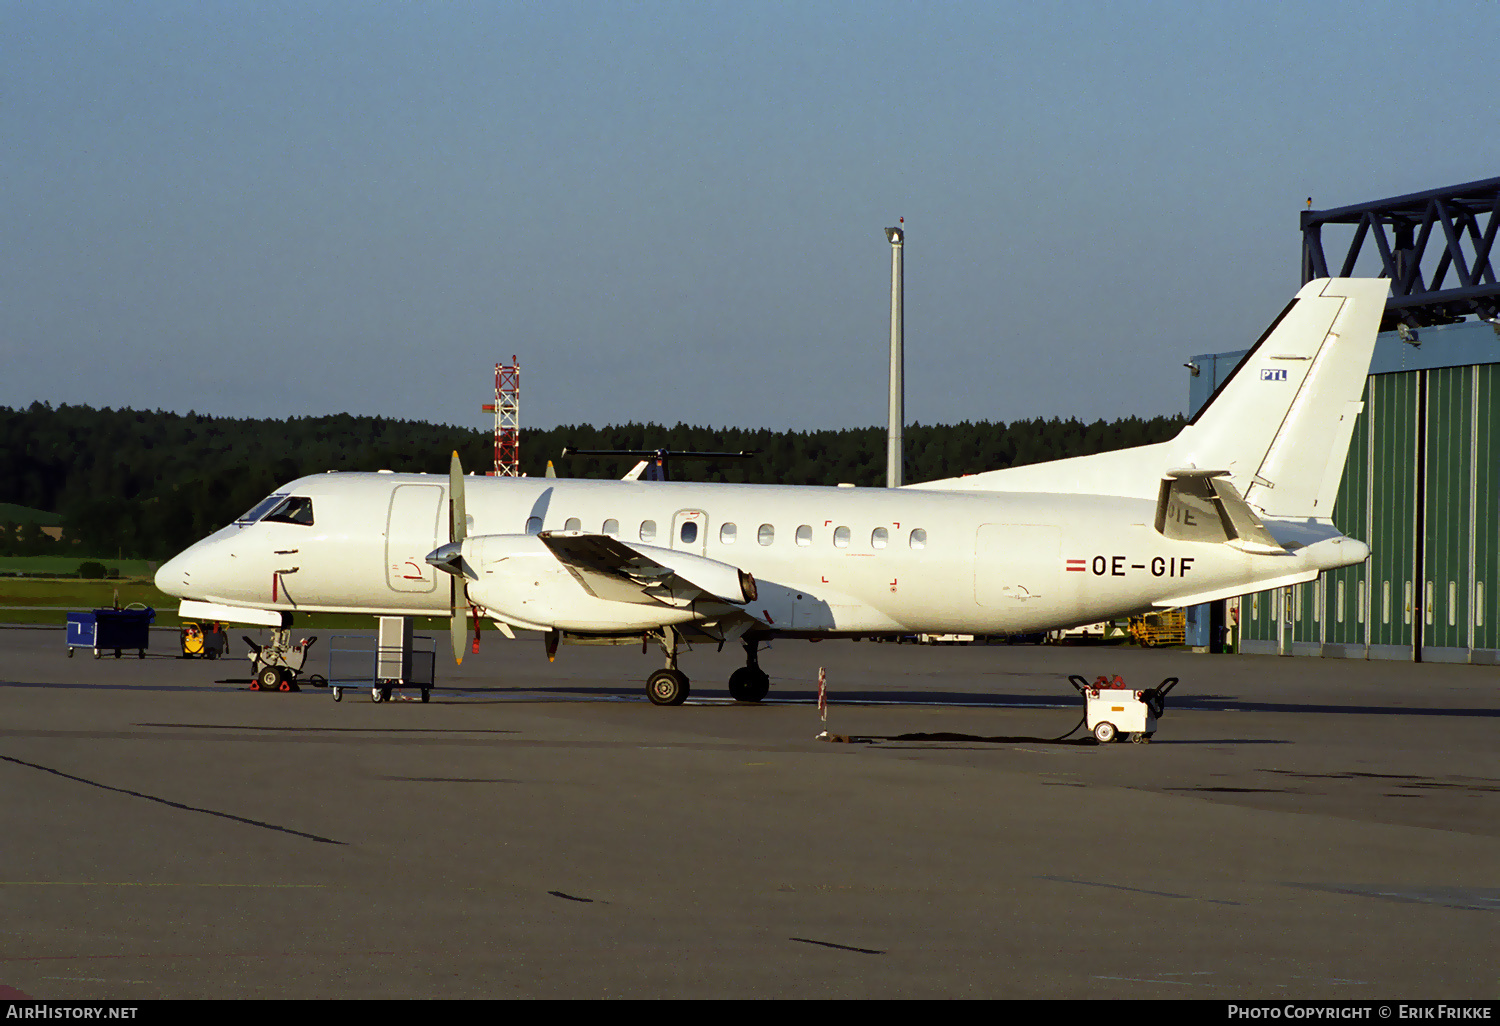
(1447,515)
(1484,602)
(1346,591)
(1392,411)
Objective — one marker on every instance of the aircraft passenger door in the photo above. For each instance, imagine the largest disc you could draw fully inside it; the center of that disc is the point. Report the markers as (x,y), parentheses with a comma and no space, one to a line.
(690,531)
(412,530)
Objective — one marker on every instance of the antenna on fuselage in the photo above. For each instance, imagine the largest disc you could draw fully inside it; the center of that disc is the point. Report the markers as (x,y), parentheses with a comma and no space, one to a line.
(658,461)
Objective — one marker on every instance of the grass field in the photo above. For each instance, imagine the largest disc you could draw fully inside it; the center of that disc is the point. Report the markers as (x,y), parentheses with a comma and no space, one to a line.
(10,513)
(79,594)
(61,597)
(69,565)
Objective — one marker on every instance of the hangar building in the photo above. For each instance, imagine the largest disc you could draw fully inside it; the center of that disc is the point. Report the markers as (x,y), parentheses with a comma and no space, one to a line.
(1422,481)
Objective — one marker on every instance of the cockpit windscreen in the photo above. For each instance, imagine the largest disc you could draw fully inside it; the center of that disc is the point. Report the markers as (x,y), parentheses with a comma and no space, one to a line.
(280,509)
(260,509)
(294,509)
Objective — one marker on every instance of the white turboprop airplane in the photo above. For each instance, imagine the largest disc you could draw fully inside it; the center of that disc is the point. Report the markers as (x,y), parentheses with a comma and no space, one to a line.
(1240,500)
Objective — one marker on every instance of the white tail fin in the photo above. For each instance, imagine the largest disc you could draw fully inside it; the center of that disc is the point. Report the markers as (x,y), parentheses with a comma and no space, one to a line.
(1279,424)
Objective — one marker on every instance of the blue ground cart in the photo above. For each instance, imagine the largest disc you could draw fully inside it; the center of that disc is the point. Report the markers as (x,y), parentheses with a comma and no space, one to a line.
(105,629)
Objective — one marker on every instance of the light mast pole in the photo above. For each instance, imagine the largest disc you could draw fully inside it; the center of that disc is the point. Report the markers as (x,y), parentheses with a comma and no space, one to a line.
(896,414)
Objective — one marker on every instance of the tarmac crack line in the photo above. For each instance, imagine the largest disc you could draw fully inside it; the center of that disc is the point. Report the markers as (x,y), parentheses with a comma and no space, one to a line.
(172,804)
(1137,890)
(841,947)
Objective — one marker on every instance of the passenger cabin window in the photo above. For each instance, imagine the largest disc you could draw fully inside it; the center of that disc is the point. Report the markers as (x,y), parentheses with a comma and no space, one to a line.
(648,530)
(766,535)
(260,509)
(804,535)
(879,537)
(294,509)
(841,537)
(612,528)
(919,539)
(726,534)
(573,524)
(533,525)
(689,532)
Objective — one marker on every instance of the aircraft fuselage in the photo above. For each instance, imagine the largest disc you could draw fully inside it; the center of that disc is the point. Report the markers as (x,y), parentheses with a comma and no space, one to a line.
(827,561)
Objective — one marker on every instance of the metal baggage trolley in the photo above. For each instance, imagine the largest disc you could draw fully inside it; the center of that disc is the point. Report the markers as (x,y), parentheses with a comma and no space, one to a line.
(118,629)
(362,662)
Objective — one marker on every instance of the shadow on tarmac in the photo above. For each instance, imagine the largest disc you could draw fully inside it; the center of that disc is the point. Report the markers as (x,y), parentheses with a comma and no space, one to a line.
(631,693)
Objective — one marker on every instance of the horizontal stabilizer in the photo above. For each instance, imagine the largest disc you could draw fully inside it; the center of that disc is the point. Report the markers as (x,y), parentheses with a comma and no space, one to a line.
(1203,506)
(1235,590)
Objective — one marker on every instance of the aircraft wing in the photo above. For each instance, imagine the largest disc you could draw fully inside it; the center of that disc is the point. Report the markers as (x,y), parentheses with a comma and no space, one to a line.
(609,569)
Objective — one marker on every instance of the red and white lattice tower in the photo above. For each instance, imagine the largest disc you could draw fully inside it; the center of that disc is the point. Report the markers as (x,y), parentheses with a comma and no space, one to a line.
(507,409)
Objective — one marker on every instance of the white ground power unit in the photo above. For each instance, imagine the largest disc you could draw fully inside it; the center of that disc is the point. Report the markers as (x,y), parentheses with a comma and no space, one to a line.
(1111,709)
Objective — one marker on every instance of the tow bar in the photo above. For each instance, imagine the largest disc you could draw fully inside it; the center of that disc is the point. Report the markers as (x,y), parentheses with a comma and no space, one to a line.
(1111,708)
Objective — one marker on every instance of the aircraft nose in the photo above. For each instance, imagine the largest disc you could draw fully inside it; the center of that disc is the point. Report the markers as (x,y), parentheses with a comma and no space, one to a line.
(174,577)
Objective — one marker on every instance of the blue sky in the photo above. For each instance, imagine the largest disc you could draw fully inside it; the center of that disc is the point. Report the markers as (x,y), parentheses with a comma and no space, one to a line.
(674,212)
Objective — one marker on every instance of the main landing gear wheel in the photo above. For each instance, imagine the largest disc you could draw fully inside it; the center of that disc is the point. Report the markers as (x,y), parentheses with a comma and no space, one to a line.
(1104,732)
(749,684)
(667,687)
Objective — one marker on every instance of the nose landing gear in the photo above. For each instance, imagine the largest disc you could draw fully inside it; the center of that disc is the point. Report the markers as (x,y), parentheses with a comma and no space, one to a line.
(277,665)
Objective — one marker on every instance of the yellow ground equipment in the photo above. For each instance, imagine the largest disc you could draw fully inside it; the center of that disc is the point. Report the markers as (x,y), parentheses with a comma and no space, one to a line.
(203,641)
(1169,627)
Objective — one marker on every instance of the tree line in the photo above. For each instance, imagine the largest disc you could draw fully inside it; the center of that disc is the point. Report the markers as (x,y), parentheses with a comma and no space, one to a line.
(146,484)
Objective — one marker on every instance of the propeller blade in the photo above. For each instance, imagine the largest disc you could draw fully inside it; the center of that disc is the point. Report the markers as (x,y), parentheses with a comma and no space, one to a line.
(458,521)
(458,529)
(458,632)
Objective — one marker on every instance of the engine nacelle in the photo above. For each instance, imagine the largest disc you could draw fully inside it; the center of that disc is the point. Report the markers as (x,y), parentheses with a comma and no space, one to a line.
(519,579)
